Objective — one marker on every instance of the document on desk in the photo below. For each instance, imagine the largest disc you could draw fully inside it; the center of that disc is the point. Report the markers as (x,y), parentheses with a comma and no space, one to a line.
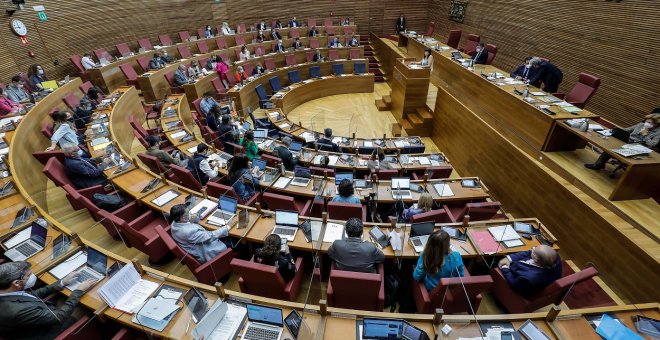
(282,182)
(538,93)
(165,198)
(126,290)
(571,109)
(205,203)
(332,160)
(308,136)
(399,143)
(368,143)
(156,313)
(443,189)
(229,325)
(336,140)
(284,126)
(316,229)
(273,114)
(18,238)
(178,134)
(424,160)
(504,233)
(333,232)
(193,149)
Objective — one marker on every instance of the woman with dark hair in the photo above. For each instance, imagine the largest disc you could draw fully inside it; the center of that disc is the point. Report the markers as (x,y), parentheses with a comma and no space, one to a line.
(437,261)
(200,243)
(36,76)
(272,254)
(427,59)
(250,147)
(242,177)
(345,193)
(63,131)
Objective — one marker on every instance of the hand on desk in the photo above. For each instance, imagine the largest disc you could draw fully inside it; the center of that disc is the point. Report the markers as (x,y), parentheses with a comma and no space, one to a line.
(72,277)
(504,262)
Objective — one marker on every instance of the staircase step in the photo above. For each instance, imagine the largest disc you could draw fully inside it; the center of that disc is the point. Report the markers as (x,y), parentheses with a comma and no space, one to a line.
(387,99)
(405,123)
(396,130)
(379,79)
(381,105)
(377,72)
(415,119)
(424,114)
(368,53)
(372,60)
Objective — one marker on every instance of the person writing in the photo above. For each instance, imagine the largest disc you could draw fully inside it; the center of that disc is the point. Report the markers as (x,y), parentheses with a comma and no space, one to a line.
(250,147)
(530,271)
(242,177)
(23,312)
(646,133)
(353,254)
(545,72)
(438,261)
(523,71)
(201,167)
(346,193)
(198,242)
(272,255)
(424,204)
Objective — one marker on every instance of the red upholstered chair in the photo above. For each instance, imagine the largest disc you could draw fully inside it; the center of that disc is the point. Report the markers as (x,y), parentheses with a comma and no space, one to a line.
(102,53)
(157,167)
(309,56)
(238,149)
(84,87)
(220,90)
(321,171)
(214,189)
(330,30)
(554,293)
(344,211)
(271,161)
(354,290)
(239,40)
(430,29)
(165,40)
(333,54)
(54,170)
(82,199)
(76,60)
(259,50)
(207,273)
(201,33)
(145,43)
(354,53)
(248,68)
(241,28)
(169,76)
(196,106)
(435,172)
(71,100)
(237,52)
(294,33)
(129,73)
(184,51)
(44,156)
(123,49)
(450,294)
(454,38)
(313,42)
(327,22)
(138,226)
(83,329)
(225,57)
(477,211)
(185,177)
(492,52)
(202,47)
(221,43)
(143,62)
(184,36)
(290,59)
(137,126)
(264,280)
(281,202)
(438,215)
(582,91)
(348,31)
(311,23)
(471,45)
(47,129)
(269,64)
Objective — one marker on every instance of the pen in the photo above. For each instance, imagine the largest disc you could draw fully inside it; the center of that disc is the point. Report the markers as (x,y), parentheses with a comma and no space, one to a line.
(188,325)
(465,250)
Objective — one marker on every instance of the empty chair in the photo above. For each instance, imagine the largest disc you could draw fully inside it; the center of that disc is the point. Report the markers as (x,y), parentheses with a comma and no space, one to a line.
(123,49)
(221,43)
(327,22)
(552,294)
(492,51)
(83,200)
(155,165)
(294,33)
(271,161)
(241,28)
(430,29)
(315,72)
(184,51)
(202,47)
(264,100)
(207,273)
(169,76)
(47,129)
(453,295)
(129,73)
(259,50)
(454,38)
(311,22)
(353,53)
(438,216)
(248,68)
(269,64)
(435,172)
(294,77)
(265,280)
(71,101)
(385,174)
(184,36)
(313,43)
(348,31)
(201,33)
(290,59)
(186,178)
(582,91)
(471,45)
(477,211)
(309,56)
(84,328)
(220,90)
(330,30)
(354,290)
(101,53)
(337,69)
(165,40)
(143,62)
(275,84)
(145,43)
(239,40)
(344,211)
(281,202)
(44,156)
(360,68)
(84,87)
(322,171)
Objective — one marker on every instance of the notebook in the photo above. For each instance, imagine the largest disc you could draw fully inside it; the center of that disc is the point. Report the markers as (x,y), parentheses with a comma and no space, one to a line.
(484,240)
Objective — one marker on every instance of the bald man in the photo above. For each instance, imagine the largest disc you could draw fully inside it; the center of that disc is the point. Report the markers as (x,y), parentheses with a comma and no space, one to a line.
(530,271)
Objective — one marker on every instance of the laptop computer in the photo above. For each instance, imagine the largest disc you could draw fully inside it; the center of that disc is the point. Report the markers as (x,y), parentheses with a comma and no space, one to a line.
(456,55)
(225,213)
(94,269)
(621,134)
(295,148)
(31,246)
(401,188)
(286,224)
(260,135)
(22,216)
(419,234)
(197,303)
(261,164)
(381,329)
(343,175)
(411,332)
(264,323)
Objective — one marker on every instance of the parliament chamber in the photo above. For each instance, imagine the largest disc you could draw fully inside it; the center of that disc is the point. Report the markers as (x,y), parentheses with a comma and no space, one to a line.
(421,169)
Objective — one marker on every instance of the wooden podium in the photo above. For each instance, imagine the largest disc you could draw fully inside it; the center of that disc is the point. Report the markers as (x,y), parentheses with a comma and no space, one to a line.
(410,87)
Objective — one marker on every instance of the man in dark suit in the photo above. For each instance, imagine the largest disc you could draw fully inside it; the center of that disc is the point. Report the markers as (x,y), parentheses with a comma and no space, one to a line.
(353,254)
(283,152)
(530,271)
(294,23)
(275,35)
(327,139)
(23,313)
(548,73)
(297,44)
(258,70)
(261,26)
(317,56)
(481,54)
(82,172)
(313,31)
(400,24)
(523,71)
(279,47)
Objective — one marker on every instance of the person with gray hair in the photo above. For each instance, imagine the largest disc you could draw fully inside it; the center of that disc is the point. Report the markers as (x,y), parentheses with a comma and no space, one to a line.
(528,272)
(283,152)
(180,76)
(81,171)
(354,254)
(23,313)
(546,72)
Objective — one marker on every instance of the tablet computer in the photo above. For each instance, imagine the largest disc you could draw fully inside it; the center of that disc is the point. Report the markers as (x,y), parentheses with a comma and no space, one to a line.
(292,323)
(646,325)
(532,332)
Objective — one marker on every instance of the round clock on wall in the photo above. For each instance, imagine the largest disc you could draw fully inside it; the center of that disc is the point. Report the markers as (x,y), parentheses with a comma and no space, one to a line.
(18,27)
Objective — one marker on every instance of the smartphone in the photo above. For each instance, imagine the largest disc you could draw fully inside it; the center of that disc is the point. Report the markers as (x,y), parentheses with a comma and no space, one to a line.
(114,269)
(507,335)
(284,243)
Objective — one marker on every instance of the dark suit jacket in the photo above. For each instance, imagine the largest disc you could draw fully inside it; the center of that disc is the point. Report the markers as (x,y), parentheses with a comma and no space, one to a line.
(286,156)
(353,254)
(211,121)
(313,32)
(276,35)
(292,21)
(23,317)
(481,57)
(258,70)
(549,74)
(527,279)
(335,147)
(400,24)
(279,48)
(317,57)
(83,174)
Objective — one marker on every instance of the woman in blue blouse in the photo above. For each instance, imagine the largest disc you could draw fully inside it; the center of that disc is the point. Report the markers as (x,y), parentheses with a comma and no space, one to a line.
(437,261)
(345,193)
(242,177)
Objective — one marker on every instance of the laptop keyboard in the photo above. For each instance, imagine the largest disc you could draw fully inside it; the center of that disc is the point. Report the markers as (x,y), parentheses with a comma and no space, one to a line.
(261,333)
(85,275)
(26,249)
(285,231)
(417,243)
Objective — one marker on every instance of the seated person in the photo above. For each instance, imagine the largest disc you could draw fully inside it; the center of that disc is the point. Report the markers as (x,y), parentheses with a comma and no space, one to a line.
(82,172)
(275,35)
(529,272)
(8,106)
(243,181)
(354,42)
(208,32)
(313,32)
(200,243)
(36,76)
(334,43)
(226,30)
(377,160)
(278,24)
(258,70)
(203,169)
(210,64)
(523,71)
(294,23)
(424,204)
(272,255)
(156,62)
(180,76)
(82,114)
(437,261)
(547,73)
(346,22)
(297,44)
(194,70)
(244,54)
(327,139)
(166,57)
(250,147)
(646,133)
(279,47)
(226,133)
(63,131)
(261,26)
(163,156)
(260,37)
(23,312)
(240,74)
(16,91)
(212,117)
(481,55)
(87,61)
(283,152)
(207,103)
(346,193)
(353,254)
(317,56)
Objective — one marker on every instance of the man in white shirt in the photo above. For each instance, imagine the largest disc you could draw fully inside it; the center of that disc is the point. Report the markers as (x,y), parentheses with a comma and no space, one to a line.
(200,243)
(87,61)
(203,169)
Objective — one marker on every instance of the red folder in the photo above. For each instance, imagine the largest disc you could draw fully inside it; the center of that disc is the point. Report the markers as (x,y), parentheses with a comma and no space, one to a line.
(485,241)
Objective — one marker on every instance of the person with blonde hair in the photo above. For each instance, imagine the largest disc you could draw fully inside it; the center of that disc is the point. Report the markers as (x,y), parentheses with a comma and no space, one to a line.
(424,204)
(438,261)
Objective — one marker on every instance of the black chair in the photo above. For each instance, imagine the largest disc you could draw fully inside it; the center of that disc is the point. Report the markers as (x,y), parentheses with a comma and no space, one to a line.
(294,77)
(259,123)
(338,69)
(264,101)
(275,84)
(315,72)
(360,68)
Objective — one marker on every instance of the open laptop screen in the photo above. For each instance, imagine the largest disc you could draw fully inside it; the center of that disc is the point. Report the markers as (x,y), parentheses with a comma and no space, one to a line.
(97,261)
(286,217)
(38,234)
(400,183)
(295,146)
(341,176)
(227,204)
(262,314)
(260,133)
(382,329)
(421,229)
(260,163)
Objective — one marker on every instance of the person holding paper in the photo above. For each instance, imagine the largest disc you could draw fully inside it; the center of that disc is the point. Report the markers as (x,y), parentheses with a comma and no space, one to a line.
(530,271)
(272,254)
(646,133)
(200,243)
(438,261)
(201,167)
(424,204)
(353,254)
(242,177)
(545,72)
(23,313)
(346,193)
(164,157)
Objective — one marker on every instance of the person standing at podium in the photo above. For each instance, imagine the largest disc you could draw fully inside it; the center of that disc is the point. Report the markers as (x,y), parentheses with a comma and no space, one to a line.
(400,24)
(427,59)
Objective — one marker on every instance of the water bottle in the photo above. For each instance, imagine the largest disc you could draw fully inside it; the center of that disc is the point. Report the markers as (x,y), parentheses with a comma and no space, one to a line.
(526,92)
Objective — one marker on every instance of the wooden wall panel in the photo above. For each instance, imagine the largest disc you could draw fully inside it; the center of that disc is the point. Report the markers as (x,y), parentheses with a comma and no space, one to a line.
(613,40)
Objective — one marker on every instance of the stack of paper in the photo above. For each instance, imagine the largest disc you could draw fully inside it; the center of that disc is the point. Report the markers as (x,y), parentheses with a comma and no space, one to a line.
(205,203)
(333,232)
(443,189)
(165,198)
(308,136)
(156,313)
(178,134)
(126,290)
(222,322)
(504,233)
(284,126)
(332,160)
(282,182)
